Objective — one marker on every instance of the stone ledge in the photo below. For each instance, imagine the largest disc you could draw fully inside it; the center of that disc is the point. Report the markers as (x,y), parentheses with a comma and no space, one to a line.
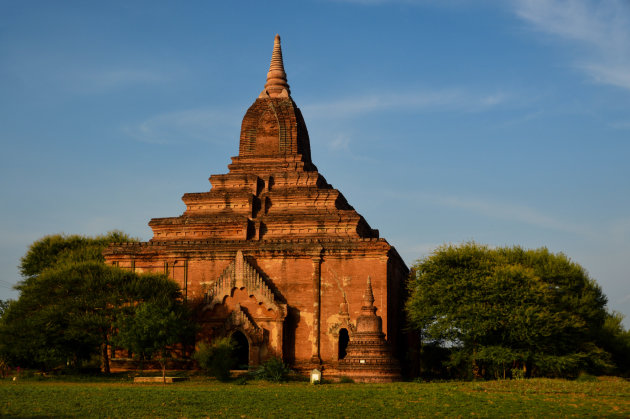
(158,379)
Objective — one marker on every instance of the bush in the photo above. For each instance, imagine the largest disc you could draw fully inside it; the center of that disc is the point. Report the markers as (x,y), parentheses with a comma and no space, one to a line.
(5,368)
(518,374)
(586,377)
(217,358)
(346,380)
(273,370)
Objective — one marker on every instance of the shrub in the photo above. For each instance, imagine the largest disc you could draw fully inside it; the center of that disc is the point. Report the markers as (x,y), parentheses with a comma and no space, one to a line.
(217,358)
(273,370)
(5,369)
(346,380)
(586,377)
(518,374)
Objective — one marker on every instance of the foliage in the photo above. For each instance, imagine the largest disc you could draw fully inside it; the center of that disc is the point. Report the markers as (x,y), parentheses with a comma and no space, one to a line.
(154,327)
(209,398)
(4,368)
(615,339)
(517,374)
(273,370)
(585,377)
(60,249)
(4,305)
(502,309)
(216,359)
(69,302)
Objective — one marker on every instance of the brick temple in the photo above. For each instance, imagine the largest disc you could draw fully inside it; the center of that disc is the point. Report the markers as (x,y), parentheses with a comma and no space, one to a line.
(277,258)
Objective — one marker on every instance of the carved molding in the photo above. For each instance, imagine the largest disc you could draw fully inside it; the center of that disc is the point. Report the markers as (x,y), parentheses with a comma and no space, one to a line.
(240,274)
(239,319)
(345,322)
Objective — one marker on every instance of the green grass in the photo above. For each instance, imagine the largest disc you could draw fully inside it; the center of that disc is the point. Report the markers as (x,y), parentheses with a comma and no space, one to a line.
(205,398)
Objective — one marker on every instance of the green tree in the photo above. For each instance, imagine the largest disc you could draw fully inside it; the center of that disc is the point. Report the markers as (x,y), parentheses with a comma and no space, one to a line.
(615,339)
(70,300)
(154,328)
(57,249)
(217,358)
(4,305)
(505,308)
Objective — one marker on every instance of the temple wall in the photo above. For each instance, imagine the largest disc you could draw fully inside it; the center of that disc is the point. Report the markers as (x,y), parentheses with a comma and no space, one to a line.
(343,275)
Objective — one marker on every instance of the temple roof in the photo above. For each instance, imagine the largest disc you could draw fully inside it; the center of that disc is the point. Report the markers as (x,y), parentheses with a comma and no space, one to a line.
(273,190)
(273,126)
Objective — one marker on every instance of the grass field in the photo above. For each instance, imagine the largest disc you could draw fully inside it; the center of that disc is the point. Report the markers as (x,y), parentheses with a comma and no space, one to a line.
(607,397)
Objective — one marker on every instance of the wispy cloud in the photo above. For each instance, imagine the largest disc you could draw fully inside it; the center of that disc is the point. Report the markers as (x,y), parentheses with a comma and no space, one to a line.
(600,30)
(507,211)
(446,99)
(623,125)
(624,299)
(501,210)
(202,124)
(339,142)
(443,3)
(619,231)
(114,78)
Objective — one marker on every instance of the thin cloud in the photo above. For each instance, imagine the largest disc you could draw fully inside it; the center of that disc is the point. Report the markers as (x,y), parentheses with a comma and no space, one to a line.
(340,142)
(501,210)
(623,125)
(443,3)
(510,212)
(445,100)
(115,78)
(202,124)
(601,30)
(619,231)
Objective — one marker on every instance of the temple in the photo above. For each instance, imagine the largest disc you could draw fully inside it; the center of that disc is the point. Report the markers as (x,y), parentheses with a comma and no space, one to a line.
(275,256)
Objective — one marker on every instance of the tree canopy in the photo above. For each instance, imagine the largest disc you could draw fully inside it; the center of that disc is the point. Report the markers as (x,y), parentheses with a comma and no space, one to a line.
(70,301)
(510,311)
(154,328)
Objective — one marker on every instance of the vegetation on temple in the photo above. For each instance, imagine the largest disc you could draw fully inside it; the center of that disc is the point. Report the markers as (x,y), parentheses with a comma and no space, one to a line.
(510,312)
(70,302)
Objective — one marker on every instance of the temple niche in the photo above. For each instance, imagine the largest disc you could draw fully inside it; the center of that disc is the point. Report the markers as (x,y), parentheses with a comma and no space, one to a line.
(276,257)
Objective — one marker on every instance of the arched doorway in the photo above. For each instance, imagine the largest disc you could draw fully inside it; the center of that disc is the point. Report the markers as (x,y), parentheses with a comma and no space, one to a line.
(344,338)
(241,350)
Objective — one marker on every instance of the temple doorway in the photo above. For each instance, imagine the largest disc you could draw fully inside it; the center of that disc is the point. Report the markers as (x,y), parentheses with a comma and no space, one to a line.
(241,350)
(343,343)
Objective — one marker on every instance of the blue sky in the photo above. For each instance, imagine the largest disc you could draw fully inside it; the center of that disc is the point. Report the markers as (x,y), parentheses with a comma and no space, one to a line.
(503,122)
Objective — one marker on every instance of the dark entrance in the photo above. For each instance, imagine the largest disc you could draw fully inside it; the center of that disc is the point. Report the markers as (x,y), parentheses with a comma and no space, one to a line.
(343,342)
(241,350)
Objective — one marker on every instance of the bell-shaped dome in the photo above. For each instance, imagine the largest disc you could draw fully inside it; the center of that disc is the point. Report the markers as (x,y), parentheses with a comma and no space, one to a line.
(274,125)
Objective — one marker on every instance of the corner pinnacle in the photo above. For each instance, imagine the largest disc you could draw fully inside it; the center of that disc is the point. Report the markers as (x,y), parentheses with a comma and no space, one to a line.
(368,297)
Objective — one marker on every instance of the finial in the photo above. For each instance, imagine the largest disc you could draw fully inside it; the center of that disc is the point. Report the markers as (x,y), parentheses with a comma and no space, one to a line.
(276,85)
(368,297)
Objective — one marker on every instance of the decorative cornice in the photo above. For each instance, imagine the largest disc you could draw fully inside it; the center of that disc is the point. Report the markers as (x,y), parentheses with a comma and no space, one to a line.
(240,274)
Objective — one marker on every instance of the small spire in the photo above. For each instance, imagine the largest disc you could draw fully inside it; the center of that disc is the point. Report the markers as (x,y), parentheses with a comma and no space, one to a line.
(368,297)
(276,77)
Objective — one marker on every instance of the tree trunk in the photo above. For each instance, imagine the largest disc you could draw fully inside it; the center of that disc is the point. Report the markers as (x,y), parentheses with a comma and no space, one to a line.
(104,358)
(164,367)
(421,363)
(473,366)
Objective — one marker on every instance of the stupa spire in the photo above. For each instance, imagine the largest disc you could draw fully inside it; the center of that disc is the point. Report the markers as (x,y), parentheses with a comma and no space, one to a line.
(368,297)
(276,85)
